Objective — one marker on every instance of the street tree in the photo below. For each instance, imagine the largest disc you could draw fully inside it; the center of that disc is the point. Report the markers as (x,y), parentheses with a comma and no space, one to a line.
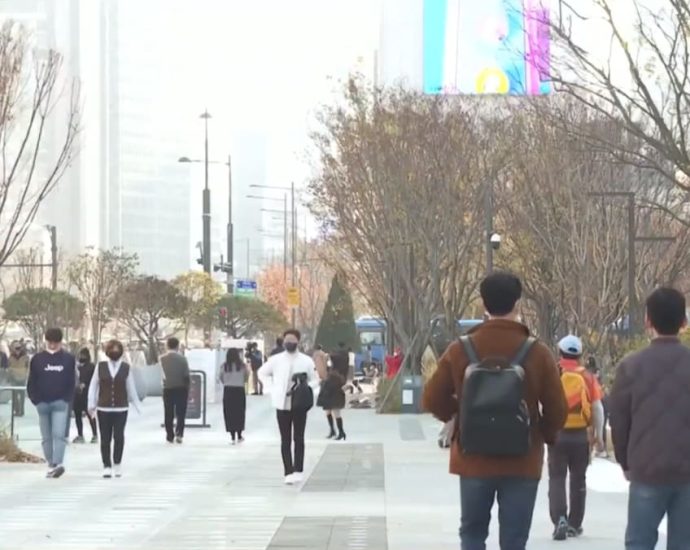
(33,131)
(37,309)
(142,304)
(198,293)
(398,190)
(246,317)
(98,276)
(338,320)
(640,80)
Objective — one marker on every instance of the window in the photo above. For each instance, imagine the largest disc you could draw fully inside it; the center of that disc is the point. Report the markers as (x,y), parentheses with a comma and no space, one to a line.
(371,338)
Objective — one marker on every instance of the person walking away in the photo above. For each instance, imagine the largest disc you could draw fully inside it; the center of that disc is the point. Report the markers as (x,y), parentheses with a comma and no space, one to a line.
(18,369)
(50,388)
(571,453)
(110,392)
(291,377)
(85,370)
(176,380)
(332,401)
(256,359)
(233,375)
(279,347)
(650,427)
(505,388)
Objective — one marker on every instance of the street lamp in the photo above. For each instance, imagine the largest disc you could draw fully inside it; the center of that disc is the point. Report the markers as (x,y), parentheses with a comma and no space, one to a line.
(294,230)
(285,222)
(227,267)
(632,239)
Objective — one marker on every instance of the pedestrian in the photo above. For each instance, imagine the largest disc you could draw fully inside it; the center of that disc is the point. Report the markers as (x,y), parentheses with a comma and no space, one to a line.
(18,368)
(50,388)
(291,377)
(504,387)
(570,454)
(279,347)
(320,358)
(650,427)
(332,401)
(110,392)
(176,380)
(256,359)
(233,375)
(85,370)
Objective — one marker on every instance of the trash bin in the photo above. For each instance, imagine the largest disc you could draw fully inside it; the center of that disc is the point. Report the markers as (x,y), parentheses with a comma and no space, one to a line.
(411,399)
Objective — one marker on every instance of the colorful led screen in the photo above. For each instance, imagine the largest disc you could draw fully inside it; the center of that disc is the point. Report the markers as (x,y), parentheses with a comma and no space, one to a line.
(486,47)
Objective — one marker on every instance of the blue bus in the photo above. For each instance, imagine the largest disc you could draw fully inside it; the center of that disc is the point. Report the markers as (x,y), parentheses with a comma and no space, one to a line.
(372,332)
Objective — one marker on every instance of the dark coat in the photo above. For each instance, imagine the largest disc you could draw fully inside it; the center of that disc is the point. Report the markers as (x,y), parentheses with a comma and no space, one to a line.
(332,395)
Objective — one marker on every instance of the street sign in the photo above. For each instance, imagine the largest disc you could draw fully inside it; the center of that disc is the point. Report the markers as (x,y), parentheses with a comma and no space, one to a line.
(293,297)
(245,287)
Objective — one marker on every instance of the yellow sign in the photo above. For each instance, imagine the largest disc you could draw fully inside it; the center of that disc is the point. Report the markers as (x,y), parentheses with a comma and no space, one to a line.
(293,298)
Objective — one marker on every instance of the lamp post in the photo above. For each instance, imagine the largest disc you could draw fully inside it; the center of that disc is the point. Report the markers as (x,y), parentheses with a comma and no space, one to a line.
(629,196)
(285,228)
(294,231)
(227,267)
(206,198)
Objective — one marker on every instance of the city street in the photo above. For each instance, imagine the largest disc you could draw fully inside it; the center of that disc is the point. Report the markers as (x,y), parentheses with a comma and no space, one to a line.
(386,487)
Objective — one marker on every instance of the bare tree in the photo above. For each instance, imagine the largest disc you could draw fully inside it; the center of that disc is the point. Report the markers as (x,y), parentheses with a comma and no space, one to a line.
(640,81)
(398,191)
(30,90)
(98,276)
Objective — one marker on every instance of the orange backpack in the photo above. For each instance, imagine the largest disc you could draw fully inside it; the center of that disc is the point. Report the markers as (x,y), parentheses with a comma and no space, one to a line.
(578,398)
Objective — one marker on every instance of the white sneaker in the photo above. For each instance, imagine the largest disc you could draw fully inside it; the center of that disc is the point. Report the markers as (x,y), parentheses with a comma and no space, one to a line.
(290,480)
(107,473)
(117,470)
(297,477)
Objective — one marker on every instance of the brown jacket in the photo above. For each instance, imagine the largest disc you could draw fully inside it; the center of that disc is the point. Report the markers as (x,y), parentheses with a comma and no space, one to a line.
(501,338)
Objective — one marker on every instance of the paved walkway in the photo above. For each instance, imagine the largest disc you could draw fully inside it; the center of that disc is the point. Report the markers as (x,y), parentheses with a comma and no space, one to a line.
(386,488)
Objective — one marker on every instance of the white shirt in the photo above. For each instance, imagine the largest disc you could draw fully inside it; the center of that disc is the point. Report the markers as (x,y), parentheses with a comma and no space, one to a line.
(276,375)
(132,396)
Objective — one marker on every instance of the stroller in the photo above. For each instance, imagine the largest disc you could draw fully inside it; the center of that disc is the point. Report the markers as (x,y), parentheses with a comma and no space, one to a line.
(445,436)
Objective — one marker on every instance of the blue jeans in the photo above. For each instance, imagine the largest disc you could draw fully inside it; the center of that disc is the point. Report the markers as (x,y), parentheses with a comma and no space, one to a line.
(516,499)
(52,418)
(647,505)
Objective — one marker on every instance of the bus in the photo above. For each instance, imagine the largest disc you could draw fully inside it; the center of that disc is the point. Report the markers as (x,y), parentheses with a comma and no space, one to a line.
(373,332)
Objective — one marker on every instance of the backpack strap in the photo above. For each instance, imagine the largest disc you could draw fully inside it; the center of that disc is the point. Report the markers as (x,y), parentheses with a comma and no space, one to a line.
(469,350)
(523,351)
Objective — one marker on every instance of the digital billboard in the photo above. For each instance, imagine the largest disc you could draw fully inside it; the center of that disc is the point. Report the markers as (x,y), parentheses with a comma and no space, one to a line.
(486,47)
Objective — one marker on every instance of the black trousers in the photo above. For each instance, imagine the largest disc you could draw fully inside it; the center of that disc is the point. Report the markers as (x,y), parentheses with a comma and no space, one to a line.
(175,406)
(80,406)
(292,425)
(112,427)
(569,456)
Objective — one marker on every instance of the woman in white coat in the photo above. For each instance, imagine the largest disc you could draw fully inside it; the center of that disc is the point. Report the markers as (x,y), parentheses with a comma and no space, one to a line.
(281,375)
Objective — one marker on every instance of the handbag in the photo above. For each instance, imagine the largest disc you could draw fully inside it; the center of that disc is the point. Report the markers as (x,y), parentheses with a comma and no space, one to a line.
(301,393)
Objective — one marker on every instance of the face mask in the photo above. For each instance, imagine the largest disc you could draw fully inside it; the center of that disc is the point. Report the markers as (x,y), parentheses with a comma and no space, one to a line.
(114,355)
(291,347)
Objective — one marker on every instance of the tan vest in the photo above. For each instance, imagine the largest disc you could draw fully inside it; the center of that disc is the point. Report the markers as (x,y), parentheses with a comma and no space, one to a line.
(112,392)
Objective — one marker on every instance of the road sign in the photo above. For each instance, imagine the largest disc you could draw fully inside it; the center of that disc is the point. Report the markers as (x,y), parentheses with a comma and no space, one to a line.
(293,298)
(245,287)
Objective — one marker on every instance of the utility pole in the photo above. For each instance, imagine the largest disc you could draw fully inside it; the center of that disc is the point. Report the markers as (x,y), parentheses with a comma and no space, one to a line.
(294,248)
(632,261)
(53,256)
(285,238)
(230,272)
(489,226)
(206,199)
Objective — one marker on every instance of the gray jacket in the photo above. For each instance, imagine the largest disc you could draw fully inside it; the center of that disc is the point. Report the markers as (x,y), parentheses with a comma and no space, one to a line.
(233,378)
(175,370)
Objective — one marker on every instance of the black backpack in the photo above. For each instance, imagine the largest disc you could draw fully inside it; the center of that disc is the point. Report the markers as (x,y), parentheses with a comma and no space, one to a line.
(301,394)
(494,418)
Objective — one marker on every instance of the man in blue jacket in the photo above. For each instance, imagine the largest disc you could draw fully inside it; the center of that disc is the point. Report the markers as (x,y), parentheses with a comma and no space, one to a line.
(51,387)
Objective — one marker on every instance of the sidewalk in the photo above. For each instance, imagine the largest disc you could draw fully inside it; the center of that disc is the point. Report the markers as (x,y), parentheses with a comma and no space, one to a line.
(386,488)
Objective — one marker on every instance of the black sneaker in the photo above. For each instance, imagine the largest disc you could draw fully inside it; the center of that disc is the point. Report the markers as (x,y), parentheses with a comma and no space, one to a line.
(561,530)
(78,439)
(57,472)
(574,532)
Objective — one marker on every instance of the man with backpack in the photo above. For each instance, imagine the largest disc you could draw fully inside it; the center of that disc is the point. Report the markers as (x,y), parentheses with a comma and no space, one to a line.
(570,454)
(505,388)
